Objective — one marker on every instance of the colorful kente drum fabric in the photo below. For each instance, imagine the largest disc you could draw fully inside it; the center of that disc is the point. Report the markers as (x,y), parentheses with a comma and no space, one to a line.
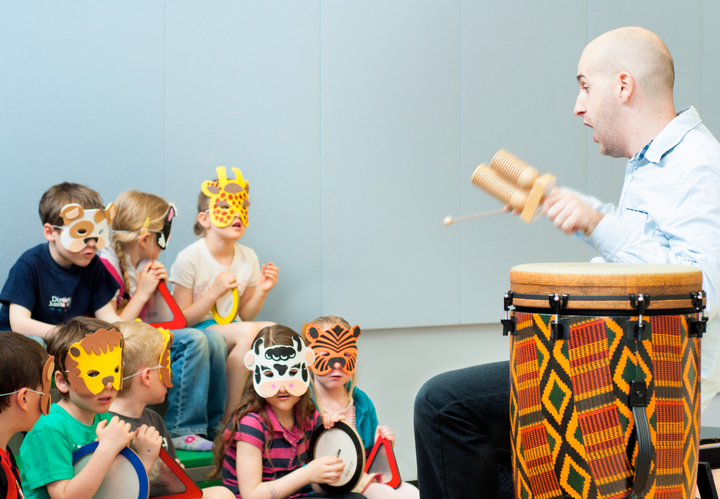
(572,426)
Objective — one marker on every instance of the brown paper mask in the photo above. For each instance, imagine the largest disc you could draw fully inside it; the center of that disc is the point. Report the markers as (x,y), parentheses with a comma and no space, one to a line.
(47,376)
(334,345)
(96,361)
(80,226)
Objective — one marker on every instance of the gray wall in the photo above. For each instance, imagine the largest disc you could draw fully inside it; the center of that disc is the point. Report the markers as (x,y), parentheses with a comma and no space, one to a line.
(358,124)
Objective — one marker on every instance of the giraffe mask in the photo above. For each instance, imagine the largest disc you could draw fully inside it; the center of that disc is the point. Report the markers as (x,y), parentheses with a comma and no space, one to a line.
(227,197)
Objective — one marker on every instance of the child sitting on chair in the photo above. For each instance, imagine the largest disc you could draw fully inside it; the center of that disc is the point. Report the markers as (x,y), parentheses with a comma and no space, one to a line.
(140,232)
(333,381)
(63,278)
(148,375)
(88,375)
(218,281)
(263,452)
(25,375)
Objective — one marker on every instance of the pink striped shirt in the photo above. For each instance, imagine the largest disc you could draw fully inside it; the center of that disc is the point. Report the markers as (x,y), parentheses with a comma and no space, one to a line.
(286,452)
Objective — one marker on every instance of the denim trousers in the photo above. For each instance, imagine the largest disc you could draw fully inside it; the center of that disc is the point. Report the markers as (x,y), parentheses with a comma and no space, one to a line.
(196,402)
(462,434)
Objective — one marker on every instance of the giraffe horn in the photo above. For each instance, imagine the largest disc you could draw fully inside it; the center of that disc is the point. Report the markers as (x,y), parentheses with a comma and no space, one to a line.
(222,175)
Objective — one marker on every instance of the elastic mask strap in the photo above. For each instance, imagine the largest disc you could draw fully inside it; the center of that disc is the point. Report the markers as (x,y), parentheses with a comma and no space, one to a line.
(18,391)
(140,372)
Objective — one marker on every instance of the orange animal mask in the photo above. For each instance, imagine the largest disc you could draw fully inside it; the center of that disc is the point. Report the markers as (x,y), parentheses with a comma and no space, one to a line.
(332,346)
(96,361)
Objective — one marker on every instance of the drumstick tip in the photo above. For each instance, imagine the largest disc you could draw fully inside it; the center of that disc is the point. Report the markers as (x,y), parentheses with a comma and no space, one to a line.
(448,221)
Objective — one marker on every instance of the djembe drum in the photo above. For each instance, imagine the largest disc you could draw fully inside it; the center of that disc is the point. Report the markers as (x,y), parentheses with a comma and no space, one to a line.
(605,379)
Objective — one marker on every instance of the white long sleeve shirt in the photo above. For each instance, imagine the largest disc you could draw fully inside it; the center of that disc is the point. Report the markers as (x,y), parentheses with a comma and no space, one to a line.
(669,212)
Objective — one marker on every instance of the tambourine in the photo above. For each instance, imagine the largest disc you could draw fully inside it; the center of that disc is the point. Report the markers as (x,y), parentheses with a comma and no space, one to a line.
(344,442)
(231,316)
(126,478)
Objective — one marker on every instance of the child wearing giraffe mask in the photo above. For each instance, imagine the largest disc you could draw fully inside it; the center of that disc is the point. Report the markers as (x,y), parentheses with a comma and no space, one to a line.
(333,377)
(219,283)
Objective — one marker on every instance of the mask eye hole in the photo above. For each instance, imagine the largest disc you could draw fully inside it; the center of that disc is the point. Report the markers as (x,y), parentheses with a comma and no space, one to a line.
(323,354)
(293,371)
(268,373)
(347,355)
(93,374)
(81,232)
(117,369)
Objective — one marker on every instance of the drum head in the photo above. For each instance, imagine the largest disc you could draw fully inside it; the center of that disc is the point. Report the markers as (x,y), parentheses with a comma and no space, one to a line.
(605,286)
(342,441)
(126,478)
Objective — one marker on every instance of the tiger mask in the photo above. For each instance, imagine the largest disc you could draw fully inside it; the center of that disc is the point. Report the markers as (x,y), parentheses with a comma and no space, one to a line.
(336,345)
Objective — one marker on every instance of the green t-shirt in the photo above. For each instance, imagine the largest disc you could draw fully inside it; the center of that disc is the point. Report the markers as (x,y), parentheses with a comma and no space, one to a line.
(46,451)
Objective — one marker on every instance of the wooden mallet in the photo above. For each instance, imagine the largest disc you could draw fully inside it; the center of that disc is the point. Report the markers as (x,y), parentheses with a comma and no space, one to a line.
(515,183)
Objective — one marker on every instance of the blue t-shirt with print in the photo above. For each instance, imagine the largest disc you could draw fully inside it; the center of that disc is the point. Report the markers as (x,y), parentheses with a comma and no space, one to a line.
(55,294)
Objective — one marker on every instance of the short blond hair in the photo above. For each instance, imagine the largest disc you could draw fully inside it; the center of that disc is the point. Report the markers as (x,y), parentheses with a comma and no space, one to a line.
(143,346)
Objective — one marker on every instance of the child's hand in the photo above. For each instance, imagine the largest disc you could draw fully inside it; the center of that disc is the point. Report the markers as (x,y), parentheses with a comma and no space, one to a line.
(147,443)
(146,280)
(326,469)
(329,420)
(159,271)
(114,435)
(268,276)
(223,283)
(385,432)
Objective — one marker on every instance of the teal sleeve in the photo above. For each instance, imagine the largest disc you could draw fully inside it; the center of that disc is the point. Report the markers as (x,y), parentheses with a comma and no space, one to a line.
(373,421)
(46,455)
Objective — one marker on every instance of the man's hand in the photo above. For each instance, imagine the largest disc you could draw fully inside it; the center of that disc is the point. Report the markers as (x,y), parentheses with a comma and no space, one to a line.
(570,214)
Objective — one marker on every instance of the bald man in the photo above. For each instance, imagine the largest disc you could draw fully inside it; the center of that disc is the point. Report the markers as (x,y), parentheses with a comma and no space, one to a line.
(669,212)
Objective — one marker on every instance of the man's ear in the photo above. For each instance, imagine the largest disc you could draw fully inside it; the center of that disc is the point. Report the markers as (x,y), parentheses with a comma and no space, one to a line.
(60,383)
(626,86)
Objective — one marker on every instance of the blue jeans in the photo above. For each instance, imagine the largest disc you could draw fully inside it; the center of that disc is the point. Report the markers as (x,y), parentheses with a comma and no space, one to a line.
(196,402)
(462,434)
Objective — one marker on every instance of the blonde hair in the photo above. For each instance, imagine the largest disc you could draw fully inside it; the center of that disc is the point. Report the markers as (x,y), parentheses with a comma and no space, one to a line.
(325,322)
(133,209)
(143,346)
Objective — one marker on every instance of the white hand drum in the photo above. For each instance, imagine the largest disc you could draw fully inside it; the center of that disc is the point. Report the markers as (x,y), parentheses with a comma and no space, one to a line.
(344,442)
(126,478)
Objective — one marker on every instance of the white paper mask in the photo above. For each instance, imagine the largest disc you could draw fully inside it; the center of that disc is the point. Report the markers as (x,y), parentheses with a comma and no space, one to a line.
(83,225)
(280,365)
